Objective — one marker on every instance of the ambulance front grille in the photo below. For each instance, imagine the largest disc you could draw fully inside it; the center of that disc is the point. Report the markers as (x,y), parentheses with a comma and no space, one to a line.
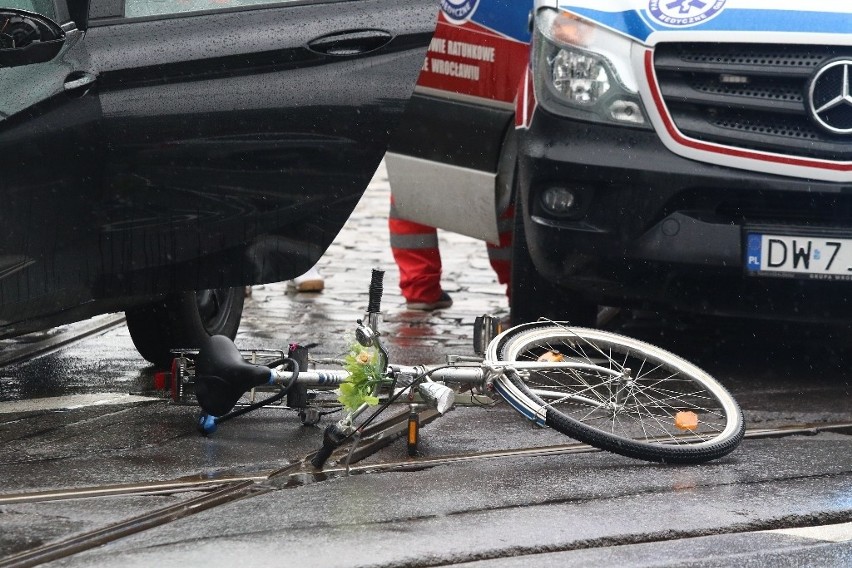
(750,96)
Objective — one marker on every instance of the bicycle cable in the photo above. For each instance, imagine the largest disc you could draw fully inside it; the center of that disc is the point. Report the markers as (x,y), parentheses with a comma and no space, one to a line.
(294,366)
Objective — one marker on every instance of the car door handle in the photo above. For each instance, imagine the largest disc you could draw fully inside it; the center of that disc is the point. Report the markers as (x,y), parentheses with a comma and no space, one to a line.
(348,43)
(78,82)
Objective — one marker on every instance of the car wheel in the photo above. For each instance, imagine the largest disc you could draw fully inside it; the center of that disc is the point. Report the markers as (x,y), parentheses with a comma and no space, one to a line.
(532,296)
(184,320)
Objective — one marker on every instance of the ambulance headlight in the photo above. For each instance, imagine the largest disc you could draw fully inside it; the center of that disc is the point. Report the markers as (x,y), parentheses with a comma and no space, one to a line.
(584,71)
(579,77)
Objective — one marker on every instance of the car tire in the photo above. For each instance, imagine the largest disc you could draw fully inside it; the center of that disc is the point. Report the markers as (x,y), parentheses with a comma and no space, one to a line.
(184,320)
(532,296)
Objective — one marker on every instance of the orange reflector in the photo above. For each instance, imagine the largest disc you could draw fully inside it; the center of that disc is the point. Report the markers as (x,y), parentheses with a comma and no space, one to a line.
(568,28)
(551,357)
(412,432)
(686,420)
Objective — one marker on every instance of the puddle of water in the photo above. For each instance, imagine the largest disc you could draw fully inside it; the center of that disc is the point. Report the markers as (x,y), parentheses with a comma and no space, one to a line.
(71,402)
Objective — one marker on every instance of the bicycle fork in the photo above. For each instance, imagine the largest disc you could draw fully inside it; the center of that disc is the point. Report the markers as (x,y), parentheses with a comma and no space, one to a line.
(435,394)
(367,334)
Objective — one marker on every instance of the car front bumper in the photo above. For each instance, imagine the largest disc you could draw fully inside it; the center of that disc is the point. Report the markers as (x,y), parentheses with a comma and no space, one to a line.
(653,229)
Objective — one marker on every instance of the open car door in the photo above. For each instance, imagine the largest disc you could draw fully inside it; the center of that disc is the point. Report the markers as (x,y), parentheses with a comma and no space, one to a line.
(207,145)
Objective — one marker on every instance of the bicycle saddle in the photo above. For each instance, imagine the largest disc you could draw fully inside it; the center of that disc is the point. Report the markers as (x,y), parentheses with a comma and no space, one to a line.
(222,376)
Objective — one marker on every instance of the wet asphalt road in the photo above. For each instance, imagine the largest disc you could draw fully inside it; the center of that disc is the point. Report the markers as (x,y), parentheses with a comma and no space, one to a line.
(560,510)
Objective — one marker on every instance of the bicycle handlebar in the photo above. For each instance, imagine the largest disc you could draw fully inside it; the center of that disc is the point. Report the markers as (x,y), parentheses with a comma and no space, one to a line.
(223,376)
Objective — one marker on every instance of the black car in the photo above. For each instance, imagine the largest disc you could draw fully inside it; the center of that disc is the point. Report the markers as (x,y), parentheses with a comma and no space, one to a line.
(156,157)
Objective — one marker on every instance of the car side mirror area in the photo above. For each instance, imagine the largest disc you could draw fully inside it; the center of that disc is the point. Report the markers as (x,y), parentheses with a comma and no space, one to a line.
(27,38)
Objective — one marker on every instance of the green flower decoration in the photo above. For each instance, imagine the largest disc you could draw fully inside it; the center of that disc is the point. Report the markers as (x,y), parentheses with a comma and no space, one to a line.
(363,377)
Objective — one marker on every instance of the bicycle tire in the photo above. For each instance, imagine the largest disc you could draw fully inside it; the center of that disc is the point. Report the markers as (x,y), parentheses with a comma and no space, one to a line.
(615,405)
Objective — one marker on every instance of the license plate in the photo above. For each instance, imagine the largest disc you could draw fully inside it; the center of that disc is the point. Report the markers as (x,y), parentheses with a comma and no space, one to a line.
(820,258)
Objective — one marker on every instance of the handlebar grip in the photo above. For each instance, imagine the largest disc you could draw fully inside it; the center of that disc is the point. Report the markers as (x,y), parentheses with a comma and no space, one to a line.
(331,440)
(374,306)
(321,456)
(207,424)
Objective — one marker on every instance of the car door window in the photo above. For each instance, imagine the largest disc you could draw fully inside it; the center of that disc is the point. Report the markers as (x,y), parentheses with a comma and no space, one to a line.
(43,7)
(148,8)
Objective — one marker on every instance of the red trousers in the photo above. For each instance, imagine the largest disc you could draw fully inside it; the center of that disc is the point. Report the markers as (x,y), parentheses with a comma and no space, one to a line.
(415,249)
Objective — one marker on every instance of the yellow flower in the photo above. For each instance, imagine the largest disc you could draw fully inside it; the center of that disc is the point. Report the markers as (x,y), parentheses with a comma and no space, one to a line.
(364,357)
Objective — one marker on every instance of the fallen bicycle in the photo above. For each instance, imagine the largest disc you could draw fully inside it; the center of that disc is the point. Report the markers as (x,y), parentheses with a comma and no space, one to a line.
(607,390)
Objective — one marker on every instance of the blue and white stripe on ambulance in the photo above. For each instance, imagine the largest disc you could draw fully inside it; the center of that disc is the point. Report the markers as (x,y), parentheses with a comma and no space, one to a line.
(642,18)
(681,13)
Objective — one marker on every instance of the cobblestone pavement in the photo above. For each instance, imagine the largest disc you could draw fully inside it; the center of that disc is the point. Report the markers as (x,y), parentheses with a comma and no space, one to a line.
(274,316)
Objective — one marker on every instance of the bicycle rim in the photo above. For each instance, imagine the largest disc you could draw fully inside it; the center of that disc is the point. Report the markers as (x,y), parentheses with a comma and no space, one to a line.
(630,397)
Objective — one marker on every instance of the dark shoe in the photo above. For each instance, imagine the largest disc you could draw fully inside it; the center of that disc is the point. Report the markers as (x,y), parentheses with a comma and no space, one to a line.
(443,302)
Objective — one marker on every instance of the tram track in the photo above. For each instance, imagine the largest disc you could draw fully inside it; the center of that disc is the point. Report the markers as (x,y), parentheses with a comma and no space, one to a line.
(378,437)
(24,348)
(218,491)
(158,517)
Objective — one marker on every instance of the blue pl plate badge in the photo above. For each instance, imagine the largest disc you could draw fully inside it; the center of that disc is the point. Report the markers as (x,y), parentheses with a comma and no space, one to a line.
(753,251)
(682,13)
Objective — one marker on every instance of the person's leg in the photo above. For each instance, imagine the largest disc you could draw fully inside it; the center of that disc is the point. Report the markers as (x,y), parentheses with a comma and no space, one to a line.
(415,250)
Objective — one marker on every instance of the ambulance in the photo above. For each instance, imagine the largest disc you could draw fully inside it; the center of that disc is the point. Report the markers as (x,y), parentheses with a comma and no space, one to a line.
(690,155)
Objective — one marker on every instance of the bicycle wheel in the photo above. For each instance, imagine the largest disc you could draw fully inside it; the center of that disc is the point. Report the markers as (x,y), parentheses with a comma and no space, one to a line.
(617,393)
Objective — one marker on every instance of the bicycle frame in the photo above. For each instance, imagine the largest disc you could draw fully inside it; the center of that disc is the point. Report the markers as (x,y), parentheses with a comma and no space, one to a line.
(478,375)
(475,373)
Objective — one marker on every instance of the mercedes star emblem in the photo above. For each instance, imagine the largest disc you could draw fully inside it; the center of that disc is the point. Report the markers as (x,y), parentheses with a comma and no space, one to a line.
(830,99)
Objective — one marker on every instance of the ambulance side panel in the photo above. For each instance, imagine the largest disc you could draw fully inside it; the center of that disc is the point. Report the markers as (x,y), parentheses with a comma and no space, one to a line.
(450,163)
